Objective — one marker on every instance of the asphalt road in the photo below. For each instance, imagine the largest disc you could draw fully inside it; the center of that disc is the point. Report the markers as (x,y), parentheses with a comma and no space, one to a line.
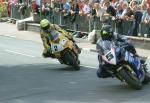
(26,77)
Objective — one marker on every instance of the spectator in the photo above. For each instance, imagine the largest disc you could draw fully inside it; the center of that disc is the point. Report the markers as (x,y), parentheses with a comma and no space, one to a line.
(67,8)
(116,3)
(110,9)
(119,11)
(100,11)
(9,8)
(20,1)
(137,20)
(128,20)
(81,5)
(110,12)
(128,15)
(96,1)
(133,4)
(14,2)
(86,8)
(118,20)
(35,7)
(124,8)
(74,10)
(144,6)
(46,10)
(92,16)
(52,4)
(93,10)
(38,2)
(22,10)
(147,22)
(56,5)
(148,2)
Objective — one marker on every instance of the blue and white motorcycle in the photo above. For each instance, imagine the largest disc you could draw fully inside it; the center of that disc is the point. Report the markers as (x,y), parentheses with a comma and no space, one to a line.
(122,64)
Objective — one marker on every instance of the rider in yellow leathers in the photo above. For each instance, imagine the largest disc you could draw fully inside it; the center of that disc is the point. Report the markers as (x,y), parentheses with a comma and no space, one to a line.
(46,28)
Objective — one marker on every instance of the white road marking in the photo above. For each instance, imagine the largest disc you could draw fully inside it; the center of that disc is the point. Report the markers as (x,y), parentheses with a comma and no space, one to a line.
(72,82)
(12,36)
(15,52)
(55,60)
(85,48)
(88,67)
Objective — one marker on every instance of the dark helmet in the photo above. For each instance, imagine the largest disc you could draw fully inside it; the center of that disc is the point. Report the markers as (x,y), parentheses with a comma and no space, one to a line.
(44,24)
(106,32)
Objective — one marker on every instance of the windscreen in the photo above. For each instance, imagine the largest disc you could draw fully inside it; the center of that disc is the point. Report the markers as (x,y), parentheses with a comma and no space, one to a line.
(104,46)
(54,35)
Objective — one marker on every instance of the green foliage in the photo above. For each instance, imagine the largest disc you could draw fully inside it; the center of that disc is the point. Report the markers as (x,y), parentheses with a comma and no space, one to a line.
(3,10)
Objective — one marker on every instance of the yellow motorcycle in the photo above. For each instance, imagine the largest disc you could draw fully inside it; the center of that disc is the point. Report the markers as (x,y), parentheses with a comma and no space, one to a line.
(64,50)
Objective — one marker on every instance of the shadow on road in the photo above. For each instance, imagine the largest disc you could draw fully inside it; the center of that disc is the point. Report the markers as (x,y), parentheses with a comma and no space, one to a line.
(56,83)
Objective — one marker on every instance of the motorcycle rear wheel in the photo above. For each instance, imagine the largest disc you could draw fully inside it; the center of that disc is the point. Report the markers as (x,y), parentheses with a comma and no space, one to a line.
(146,79)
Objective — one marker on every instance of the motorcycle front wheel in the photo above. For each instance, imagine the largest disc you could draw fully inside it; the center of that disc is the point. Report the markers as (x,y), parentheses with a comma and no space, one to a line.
(70,59)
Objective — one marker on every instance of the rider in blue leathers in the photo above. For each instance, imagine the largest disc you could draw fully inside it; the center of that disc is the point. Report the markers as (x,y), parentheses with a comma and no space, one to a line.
(107,34)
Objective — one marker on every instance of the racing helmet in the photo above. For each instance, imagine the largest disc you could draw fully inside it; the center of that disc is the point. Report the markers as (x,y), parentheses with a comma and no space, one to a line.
(106,32)
(44,24)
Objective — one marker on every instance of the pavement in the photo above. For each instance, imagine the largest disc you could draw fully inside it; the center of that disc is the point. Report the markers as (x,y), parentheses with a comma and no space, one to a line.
(10,30)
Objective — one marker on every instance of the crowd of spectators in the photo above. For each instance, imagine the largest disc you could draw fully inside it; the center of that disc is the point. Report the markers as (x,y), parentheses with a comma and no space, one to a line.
(137,11)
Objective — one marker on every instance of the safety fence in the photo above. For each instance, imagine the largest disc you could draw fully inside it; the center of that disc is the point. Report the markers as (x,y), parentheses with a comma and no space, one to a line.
(17,14)
(86,24)
(83,23)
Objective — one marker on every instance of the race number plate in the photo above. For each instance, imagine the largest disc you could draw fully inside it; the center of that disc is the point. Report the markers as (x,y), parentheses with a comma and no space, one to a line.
(109,56)
(57,47)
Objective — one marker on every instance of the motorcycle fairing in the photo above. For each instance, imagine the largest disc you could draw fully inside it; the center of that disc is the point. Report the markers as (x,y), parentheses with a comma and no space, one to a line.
(135,62)
(110,57)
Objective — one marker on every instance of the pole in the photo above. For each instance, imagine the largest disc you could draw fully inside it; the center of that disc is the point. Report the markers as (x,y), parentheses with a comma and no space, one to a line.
(40,10)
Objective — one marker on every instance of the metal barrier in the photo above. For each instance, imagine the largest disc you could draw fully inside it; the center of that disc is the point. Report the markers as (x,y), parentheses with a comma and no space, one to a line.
(15,14)
(84,24)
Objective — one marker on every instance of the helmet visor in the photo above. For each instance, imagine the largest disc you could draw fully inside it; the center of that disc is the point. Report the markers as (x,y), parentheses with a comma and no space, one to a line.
(45,28)
(47,31)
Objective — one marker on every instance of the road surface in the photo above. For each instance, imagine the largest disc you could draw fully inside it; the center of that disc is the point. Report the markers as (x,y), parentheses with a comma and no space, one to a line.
(27,77)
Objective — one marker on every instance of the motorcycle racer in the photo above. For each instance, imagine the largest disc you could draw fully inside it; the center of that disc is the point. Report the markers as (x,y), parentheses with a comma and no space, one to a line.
(107,34)
(46,31)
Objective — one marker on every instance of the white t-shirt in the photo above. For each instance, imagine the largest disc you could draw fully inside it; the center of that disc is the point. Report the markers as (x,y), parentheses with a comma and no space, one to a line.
(100,13)
(147,17)
(38,2)
(86,9)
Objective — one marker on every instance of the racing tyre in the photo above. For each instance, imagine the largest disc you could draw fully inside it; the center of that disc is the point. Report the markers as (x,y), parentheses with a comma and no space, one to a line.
(130,78)
(147,78)
(71,60)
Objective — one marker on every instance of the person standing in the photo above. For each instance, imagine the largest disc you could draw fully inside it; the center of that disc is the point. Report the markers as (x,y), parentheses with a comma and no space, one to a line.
(137,18)
(147,22)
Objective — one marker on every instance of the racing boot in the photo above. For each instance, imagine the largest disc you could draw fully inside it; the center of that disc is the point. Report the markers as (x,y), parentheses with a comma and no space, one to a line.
(79,62)
(46,54)
(60,61)
(79,50)
(102,73)
(142,61)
